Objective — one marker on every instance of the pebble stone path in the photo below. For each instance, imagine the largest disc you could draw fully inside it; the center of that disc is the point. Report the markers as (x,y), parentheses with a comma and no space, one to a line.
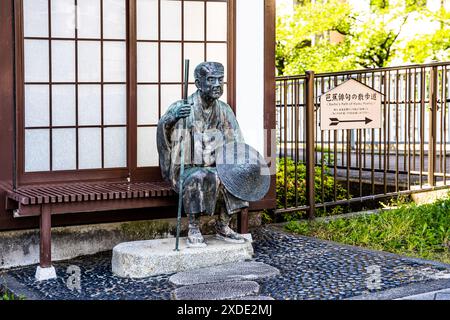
(309,269)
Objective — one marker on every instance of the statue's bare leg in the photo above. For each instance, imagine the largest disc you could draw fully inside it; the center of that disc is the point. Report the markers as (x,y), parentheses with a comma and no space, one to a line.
(195,238)
(223,230)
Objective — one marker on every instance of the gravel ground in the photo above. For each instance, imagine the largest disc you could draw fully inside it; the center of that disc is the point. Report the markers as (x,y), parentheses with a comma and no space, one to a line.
(310,269)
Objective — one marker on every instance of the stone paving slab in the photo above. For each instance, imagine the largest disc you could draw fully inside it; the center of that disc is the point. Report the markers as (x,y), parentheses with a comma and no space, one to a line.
(227,272)
(216,291)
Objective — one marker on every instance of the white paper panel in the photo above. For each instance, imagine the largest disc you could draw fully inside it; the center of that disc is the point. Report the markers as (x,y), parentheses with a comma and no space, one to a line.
(114,19)
(171,69)
(194,20)
(90,148)
(147,148)
(37,150)
(217,52)
(224,98)
(63,61)
(250,71)
(89,57)
(36,60)
(64,149)
(63,105)
(115,105)
(89,22)
(89,105)
(114,64)
(35,18)
(216,21)
(115,147)
(195,52)
(147,62)
(63,18)
(170,20)
(147,20)
(37,106)
(169,95)
(147,103)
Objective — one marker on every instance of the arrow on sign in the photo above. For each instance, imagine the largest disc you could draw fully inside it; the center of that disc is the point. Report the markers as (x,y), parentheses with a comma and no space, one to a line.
(336,121)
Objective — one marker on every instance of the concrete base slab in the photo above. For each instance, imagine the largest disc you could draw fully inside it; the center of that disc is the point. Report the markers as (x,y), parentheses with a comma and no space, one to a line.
(44,274)
(217,291)
(227,272)
(433,295)
(429,197)
(142,259)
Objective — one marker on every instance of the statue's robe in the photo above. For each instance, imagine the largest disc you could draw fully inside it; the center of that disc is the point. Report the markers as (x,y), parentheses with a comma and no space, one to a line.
(202,188)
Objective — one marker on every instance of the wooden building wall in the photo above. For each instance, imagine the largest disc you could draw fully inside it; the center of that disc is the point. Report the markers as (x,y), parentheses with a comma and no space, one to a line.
(7,118)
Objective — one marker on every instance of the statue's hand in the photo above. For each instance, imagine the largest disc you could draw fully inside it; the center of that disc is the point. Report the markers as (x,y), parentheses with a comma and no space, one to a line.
(183,110)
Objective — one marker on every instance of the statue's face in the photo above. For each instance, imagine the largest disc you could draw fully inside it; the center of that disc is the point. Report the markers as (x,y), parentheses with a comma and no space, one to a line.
(211,85)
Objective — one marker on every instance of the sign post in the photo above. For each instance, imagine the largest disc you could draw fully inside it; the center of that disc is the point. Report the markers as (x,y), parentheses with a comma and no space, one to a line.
(351,105)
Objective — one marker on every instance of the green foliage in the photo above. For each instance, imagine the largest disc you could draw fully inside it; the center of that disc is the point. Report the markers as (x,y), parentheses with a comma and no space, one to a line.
(415,4)
(266,217)
(379,4)
(361,39)
(295,177)
(418,231)
(301,44)
(434,46)
(322,56)
(5,295)
(374,45)
(399,201)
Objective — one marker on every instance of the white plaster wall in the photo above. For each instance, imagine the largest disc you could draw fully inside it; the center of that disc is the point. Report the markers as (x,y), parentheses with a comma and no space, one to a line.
(250,70)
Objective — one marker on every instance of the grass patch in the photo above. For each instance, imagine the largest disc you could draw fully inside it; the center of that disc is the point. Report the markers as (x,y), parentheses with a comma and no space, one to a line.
(5,295)
(411,230)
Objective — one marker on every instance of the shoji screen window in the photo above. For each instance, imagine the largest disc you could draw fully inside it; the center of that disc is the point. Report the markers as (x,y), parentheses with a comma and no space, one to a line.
(169,31)
(75,84)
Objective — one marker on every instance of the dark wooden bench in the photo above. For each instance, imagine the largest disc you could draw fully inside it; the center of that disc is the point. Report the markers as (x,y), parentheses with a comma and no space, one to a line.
(55,199)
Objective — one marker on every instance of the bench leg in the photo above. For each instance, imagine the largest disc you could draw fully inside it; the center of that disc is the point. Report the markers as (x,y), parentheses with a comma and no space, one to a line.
(243,221)
(45,270)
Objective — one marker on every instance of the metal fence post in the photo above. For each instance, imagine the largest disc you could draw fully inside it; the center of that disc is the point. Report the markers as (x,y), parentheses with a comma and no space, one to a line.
(310,145)
(432,126)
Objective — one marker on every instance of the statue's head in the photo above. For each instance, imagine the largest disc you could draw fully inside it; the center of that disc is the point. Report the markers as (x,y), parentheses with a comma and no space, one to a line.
(209,77)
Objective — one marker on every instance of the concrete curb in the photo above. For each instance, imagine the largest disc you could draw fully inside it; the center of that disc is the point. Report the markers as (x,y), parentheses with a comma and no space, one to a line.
(406,291)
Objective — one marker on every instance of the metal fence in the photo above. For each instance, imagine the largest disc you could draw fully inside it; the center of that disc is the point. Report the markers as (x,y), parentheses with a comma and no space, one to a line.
(407,155)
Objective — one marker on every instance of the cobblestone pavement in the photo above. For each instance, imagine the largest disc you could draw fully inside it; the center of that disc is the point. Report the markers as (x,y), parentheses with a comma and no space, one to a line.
(310,269)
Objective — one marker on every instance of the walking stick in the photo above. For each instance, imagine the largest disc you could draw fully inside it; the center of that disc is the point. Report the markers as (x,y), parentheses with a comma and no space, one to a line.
(180,195)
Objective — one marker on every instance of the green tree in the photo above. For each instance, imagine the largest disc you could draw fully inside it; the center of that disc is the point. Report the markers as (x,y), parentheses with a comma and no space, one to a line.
(376,42)
(373,39)
(302,39)
(434,45)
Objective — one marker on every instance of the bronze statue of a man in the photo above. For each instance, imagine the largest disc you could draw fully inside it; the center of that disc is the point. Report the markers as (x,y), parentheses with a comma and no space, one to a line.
(204,122)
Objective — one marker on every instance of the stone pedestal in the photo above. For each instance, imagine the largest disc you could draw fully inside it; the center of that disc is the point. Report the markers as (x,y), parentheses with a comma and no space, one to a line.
(142,259)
